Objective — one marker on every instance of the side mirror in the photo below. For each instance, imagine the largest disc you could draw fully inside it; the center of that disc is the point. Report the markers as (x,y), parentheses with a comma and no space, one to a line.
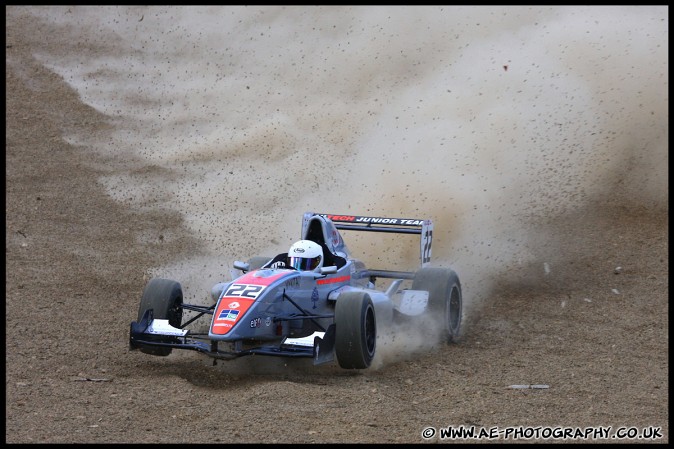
(329,270)
(243,266)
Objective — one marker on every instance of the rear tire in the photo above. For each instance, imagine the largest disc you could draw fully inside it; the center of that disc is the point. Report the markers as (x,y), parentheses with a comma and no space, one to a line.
(355,330)
(445,300)
(165,298)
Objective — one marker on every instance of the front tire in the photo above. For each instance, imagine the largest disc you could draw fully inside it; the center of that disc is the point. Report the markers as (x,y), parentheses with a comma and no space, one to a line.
(165,298)
(355,330)
(445,300)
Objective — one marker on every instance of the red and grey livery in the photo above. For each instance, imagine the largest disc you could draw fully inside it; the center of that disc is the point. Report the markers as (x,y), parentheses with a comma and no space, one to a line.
(335,314)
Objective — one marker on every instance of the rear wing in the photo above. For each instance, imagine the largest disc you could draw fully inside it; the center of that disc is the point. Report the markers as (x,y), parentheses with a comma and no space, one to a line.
(386,224)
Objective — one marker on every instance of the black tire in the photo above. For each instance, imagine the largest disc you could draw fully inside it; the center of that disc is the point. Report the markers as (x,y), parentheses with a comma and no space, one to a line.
(355,330)
(445,300)
(165,298)
(257,262)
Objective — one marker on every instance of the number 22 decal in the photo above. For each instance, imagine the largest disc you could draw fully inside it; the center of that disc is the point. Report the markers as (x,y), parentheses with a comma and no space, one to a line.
(427,241)
(244,290)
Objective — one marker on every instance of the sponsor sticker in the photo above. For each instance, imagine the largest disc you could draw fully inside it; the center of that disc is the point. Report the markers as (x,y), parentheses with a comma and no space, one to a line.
(294,282)
(228,314)
(391,221)
(340,217)
(256,322)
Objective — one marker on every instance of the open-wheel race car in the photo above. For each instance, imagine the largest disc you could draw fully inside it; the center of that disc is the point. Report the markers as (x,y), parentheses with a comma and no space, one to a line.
(314,301)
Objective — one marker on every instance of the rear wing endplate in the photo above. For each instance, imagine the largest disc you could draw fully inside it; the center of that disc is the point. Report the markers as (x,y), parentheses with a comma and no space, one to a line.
(387,224)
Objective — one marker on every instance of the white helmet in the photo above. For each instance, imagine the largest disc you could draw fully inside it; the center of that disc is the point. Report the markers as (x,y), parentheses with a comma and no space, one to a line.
(305,255)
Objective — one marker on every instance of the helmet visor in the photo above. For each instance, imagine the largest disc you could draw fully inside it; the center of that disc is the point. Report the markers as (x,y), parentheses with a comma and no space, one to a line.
(304,264)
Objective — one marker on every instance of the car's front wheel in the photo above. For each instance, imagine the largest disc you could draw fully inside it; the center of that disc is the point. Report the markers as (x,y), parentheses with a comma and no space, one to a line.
(165,298)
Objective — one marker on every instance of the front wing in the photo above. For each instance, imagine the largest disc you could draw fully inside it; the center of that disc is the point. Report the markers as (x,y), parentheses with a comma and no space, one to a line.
(150,332)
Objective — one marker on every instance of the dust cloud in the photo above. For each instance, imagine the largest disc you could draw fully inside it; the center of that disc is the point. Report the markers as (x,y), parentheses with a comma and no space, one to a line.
(484,119)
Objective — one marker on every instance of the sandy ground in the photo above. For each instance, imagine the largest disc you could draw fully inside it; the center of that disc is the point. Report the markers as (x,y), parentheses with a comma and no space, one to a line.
(596,335)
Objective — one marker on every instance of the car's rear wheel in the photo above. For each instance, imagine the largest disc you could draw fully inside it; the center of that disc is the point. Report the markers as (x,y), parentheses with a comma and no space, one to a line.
(165,298)
(355,330)
(445,301)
